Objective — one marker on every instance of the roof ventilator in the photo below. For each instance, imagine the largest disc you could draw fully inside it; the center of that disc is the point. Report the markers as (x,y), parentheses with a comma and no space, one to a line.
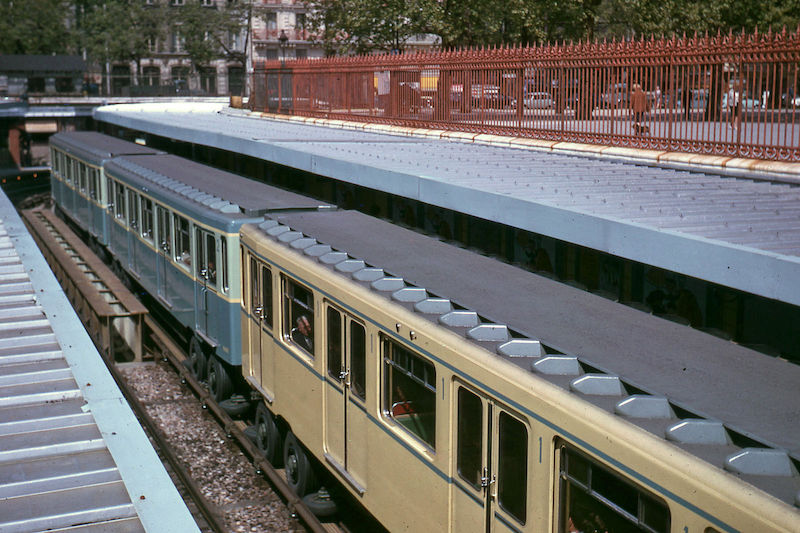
(522,348)
(558,365)
(410,295)
(698,431)
(761,462)
(434,306)
(302,244)
(489,333)
(331,258)
(598,385)
(350,265)
(644,406)
(387,284)
(369,274)
(460,319)
(318,250)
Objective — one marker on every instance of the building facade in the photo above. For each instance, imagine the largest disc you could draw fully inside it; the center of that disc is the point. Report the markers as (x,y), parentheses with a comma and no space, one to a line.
(276,30)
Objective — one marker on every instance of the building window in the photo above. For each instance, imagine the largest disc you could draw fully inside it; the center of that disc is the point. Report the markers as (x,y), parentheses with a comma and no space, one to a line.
(300,21)
(301,53)
(272,21)
(409,387)
(151,76)
(177,2)
(178,41)
(208,80)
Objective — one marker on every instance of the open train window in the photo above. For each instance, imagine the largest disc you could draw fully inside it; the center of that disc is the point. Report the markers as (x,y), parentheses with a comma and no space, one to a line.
(94,183)
(409,388)
(594,498)
(147,219)
(133,209)
(82,171)
(164,230)
(119,201)
(206,256)
(182,241)
(298,315)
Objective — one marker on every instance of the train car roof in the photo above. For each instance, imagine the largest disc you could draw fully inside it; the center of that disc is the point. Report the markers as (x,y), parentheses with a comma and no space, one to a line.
(206,184)
(751,392)
(97,147)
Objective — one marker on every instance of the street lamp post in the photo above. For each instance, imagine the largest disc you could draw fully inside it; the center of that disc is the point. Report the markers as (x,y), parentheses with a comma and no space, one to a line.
(282,43)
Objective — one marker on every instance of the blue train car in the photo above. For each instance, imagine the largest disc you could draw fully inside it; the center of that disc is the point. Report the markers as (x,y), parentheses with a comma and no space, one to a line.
(173,226)
(78,183)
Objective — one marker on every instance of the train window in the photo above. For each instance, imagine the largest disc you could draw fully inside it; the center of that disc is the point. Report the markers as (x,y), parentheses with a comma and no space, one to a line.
(223,254)
(147,219)
(94,183)
(512,466)
(298,315)
(164,230)
(182,240)
(469,451)
(206,256)
(119,201)
(593,498)
(266,293)
(358,360)
(334,324)
(255,285)
(133,209)
(82,176)
(410,391)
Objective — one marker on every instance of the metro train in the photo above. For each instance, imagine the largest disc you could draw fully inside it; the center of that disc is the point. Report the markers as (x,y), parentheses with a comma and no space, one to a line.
(444,390)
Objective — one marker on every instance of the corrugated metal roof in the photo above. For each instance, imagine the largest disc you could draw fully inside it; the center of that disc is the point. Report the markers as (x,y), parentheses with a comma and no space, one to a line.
(72,455)
(736,232)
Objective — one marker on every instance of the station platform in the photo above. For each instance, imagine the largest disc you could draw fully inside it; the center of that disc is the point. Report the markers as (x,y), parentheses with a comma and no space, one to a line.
(73,456)
(728,221)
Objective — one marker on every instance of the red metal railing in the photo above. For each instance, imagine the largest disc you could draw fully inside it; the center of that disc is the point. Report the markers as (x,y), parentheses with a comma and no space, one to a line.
(734,95)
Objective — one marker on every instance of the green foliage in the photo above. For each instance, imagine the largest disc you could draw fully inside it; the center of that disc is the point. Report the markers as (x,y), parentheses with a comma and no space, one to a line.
(35,27)
(119,30)
(352,26)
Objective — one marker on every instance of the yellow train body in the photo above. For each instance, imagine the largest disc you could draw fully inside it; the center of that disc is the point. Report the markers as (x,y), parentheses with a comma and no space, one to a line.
(413,481)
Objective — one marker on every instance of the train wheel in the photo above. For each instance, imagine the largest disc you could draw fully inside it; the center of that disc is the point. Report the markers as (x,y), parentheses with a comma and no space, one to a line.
(198,361)
(299,472)
(268,438)
(219,381)
(320,503)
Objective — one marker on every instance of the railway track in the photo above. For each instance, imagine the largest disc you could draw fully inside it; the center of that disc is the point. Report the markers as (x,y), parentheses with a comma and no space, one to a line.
(77,259)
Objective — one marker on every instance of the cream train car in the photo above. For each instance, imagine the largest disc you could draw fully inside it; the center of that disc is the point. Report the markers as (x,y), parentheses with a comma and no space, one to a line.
(448,391)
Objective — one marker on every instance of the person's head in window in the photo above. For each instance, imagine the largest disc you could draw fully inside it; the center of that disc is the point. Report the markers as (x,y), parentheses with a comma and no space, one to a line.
(302,333)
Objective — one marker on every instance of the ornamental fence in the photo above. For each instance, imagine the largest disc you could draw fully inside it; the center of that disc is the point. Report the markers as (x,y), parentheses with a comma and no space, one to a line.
(733,95)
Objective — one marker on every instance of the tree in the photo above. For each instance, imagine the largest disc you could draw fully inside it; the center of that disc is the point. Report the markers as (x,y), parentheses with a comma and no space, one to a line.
(364,26)
(121,30)
(207,31)
(35,27)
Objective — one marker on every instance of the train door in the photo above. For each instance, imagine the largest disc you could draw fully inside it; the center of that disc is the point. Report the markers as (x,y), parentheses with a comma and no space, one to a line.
(163,251)
(345,396)
(491,466)
(133,235)
(207,313)
(260,319)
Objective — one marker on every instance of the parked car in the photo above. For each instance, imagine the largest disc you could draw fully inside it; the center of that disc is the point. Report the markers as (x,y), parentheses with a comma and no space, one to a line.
(617,95)
(538,100)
